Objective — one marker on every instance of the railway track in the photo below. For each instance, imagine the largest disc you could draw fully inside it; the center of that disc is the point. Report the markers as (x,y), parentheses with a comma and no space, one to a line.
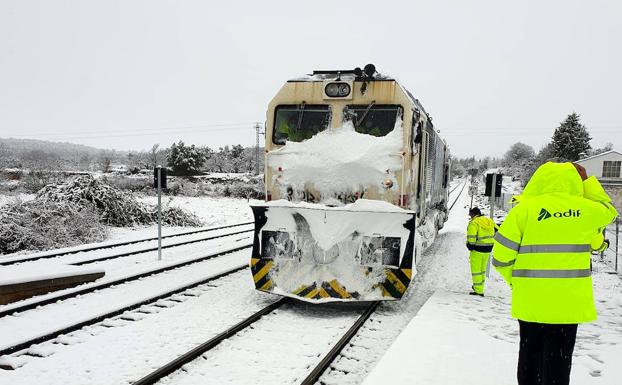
(453,189)
(91,288)
(146,250)
(125,243)
(321,367)
(193,354)
(459,194)
(94,320)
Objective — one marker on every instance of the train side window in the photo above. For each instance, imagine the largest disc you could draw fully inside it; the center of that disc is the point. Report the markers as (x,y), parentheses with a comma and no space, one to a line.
(298,122)
(416,132)
(373,119)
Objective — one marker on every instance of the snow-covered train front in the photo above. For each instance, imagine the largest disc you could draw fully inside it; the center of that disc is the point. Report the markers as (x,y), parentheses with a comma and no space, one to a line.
(356,188)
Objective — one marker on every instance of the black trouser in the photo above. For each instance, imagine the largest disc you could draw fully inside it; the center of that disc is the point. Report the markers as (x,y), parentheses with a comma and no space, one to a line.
(545,355)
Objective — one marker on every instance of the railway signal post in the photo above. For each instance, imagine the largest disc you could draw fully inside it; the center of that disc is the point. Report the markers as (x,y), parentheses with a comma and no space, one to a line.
(159,182)
(472,193)
(258,132)
(493,190)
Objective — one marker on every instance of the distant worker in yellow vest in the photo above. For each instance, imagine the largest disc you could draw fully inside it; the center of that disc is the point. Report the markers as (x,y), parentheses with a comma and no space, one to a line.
(542,250)
(480,233)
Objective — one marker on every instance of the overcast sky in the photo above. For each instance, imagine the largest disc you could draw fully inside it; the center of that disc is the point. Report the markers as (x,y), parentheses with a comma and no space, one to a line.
(128,74)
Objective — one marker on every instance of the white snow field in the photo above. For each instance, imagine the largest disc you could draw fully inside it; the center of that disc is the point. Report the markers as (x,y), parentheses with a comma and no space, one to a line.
(451,338)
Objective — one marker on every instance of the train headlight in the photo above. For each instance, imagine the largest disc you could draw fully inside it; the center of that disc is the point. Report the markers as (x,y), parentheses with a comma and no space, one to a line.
(379,251)
(337,90)
(332,89)
(388,183)
(276,244)
(344,89)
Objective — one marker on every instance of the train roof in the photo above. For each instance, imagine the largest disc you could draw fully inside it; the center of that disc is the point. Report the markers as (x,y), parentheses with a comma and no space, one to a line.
(322,75)
(354,75)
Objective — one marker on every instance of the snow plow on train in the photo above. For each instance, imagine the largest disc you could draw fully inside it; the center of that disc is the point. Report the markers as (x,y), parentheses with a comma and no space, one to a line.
(356,187)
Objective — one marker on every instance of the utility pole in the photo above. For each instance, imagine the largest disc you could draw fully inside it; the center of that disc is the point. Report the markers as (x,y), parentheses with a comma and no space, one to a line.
(159,171)
(258,132)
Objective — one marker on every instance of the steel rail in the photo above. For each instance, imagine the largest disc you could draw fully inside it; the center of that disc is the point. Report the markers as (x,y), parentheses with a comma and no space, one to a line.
(191,355)
(89,289)
(114,313)
(116,244)
(130,253)
(458,197)
(321,367)
(454,189)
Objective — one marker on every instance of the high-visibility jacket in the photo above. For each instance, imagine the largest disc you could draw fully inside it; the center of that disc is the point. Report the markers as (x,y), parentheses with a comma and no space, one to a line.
(480,233)
(542,249)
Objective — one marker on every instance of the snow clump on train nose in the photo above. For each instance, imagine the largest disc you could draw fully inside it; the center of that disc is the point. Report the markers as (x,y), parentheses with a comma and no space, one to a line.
(339,160)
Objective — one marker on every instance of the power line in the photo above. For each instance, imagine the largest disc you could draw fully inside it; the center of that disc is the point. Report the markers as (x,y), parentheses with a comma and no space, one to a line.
(513,133)
(127,134)
(519,129)
(136,131)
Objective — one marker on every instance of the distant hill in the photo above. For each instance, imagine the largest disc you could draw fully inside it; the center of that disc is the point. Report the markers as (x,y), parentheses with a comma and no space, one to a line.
(32,153)
(45,145)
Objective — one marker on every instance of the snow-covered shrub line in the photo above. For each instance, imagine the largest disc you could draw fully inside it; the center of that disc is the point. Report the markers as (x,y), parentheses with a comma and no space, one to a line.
(115,207)
(40,225)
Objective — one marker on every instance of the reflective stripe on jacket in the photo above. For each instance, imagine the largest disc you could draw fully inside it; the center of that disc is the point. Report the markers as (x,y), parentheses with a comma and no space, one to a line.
(543,247)
(480,233)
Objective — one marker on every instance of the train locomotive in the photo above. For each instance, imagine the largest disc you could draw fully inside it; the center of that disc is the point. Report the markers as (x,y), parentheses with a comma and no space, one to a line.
(356,184)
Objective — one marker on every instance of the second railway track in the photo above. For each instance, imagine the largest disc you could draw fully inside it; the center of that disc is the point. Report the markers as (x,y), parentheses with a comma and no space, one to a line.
(262,333)
(70,293)
(113,313)
(53,254)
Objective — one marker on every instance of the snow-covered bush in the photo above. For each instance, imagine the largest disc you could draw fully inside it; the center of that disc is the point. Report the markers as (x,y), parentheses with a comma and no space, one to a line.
(130,183)
(115,207)
(245,190)
(175,216)
(40,225)
(35,180)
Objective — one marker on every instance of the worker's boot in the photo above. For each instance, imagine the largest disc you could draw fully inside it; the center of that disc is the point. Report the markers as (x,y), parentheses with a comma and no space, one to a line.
(472,292)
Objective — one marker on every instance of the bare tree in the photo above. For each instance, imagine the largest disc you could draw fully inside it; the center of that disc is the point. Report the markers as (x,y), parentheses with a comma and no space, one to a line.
(157,156)
(104,160)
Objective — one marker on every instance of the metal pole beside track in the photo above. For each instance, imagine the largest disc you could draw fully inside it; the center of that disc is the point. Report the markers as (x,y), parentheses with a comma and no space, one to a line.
(159,213)
(493,196)
(617,240)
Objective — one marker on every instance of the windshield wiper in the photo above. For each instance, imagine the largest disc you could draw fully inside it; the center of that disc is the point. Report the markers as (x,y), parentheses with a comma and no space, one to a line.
(302,111)
(359,121)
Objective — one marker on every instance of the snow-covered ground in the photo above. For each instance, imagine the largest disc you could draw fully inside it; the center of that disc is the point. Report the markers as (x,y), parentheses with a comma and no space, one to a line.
(436,348)
(6,199)
(213,212)
(126,348)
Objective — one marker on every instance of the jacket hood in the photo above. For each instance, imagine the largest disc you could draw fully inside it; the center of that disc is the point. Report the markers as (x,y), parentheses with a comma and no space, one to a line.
(554,178)
(484,222)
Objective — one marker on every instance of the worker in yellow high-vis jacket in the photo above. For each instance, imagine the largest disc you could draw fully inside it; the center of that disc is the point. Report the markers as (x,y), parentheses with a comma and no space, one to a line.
(480,232)
(542,250)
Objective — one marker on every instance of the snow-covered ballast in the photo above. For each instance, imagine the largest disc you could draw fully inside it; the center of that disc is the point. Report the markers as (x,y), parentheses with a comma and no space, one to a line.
(356,188)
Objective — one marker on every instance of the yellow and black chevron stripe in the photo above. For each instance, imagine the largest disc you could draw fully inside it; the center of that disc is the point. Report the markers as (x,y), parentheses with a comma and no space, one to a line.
(332,289)
(261,273)
(394,286)
(396,283)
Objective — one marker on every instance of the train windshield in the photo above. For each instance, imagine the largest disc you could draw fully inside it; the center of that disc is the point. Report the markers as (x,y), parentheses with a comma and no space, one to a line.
(373,119)
(299,122)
